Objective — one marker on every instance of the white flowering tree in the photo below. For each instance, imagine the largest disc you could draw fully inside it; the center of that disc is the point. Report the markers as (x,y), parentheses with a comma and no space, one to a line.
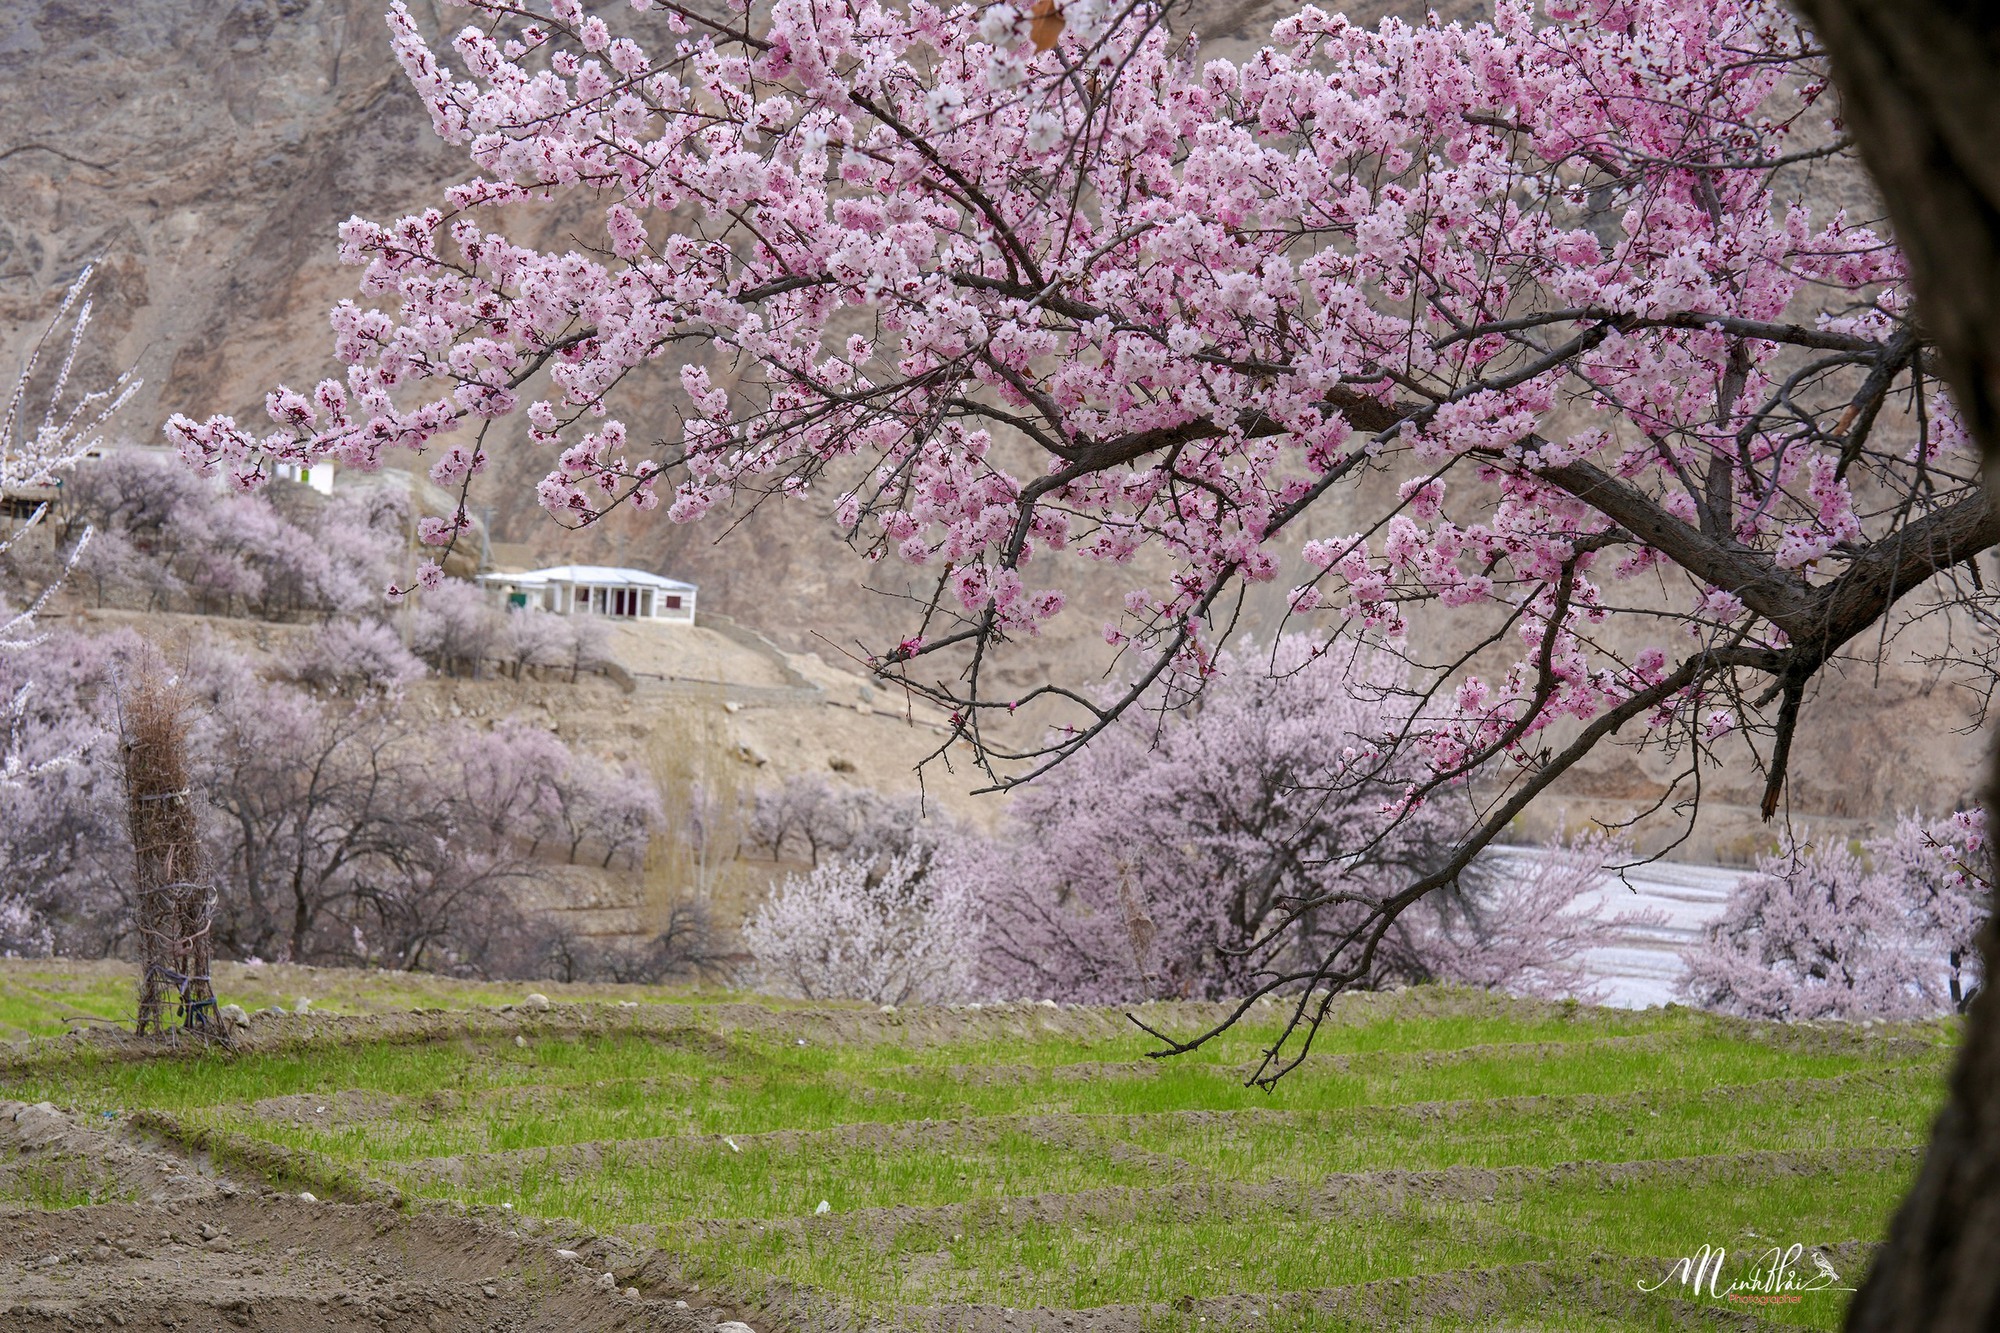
(885,932)
(1817,932)
(46,429)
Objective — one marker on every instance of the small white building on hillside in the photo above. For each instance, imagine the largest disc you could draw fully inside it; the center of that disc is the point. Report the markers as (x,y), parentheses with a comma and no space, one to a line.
(602,590)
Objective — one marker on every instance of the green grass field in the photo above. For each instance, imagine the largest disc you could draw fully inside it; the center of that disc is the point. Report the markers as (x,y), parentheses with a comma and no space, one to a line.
(1443,1160)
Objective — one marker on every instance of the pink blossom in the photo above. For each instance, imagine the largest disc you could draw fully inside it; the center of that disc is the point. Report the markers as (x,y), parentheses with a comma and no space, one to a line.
(1816,933)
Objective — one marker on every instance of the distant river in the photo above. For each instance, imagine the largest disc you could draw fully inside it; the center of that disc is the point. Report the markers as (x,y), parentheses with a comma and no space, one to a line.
(1641,969)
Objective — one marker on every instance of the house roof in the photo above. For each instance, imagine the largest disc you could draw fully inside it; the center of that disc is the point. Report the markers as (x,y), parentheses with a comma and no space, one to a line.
(609,576)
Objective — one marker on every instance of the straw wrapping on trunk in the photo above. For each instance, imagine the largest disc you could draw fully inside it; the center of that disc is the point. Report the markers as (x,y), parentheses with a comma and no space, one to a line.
(174,897)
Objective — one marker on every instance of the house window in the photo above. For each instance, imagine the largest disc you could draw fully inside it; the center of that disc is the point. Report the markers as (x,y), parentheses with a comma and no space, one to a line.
(624,601)
(673,601)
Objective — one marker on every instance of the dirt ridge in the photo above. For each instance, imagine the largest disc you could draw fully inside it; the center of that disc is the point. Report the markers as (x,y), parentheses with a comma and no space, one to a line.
(1339,1195)
(201,1250)
(1495,1293)
(921,1026)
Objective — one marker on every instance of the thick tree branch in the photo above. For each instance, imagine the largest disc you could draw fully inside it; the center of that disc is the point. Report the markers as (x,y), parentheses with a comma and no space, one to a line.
(1721,562)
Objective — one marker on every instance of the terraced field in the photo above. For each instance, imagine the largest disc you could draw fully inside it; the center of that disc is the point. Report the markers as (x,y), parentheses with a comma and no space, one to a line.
(1445,1160)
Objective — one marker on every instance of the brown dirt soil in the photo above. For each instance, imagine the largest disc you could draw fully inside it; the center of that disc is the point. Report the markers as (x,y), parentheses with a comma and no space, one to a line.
(46,1154)
(187,1250)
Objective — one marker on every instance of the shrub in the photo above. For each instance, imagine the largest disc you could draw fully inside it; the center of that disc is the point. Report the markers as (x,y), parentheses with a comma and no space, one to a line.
(166,540)
(884,932)
(348,656)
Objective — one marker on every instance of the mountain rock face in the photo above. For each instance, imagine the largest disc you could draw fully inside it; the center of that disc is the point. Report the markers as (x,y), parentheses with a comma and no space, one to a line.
(205,151)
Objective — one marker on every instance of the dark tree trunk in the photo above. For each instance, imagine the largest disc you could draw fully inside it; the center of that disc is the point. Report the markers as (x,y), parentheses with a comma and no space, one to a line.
(175,901)
(1920,87)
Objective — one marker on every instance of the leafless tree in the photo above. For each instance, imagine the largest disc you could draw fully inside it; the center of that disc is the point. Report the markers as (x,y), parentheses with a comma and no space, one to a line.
(687,948)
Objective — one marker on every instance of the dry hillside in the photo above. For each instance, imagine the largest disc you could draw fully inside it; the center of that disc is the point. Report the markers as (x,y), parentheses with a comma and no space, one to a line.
(712,709)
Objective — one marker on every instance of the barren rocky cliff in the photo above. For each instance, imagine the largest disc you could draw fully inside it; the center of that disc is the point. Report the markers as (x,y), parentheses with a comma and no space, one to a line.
(204,151)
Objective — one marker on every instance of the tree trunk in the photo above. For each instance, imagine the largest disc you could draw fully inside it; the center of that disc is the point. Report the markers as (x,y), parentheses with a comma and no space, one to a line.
(174,899)
(1920,88)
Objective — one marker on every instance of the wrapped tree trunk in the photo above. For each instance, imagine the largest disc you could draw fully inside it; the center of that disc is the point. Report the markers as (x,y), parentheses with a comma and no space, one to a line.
(174,900)
(1920,88)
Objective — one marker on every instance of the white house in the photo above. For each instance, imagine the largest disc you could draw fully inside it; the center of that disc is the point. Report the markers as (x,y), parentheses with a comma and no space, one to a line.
(597,590)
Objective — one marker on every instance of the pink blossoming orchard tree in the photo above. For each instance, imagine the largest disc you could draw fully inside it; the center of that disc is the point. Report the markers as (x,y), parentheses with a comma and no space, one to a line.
(1154,863)
(1026,291)
(1920,83)
(1819,932)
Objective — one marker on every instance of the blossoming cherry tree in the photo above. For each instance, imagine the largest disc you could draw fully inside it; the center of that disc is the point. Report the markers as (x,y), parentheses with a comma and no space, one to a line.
(1029,288)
